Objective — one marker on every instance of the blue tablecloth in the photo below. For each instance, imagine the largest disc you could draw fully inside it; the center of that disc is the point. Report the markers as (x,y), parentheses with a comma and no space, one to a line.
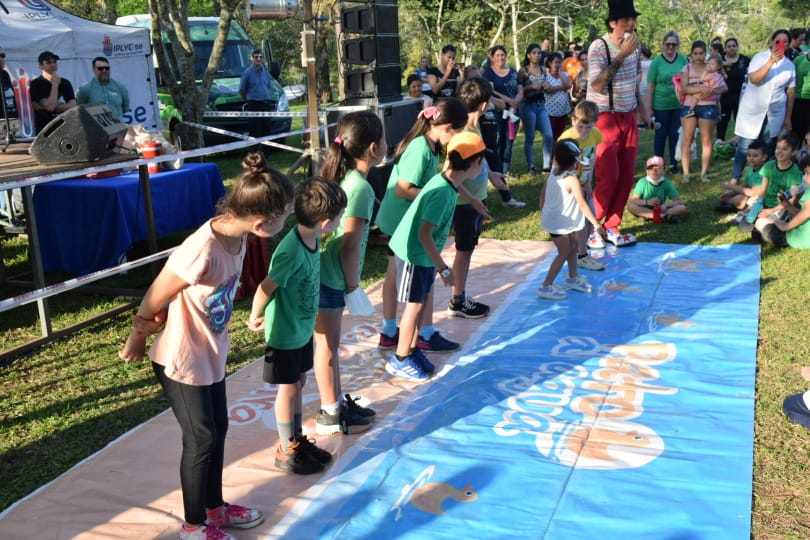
(87,224)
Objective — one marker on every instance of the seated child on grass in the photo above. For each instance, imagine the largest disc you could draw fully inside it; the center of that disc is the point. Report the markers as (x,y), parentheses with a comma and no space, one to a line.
(779,177)
(656,191)
(740,196)
(793,228)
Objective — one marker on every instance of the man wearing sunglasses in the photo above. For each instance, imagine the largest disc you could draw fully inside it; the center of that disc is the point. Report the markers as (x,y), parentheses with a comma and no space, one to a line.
(254,87)
(104,89)
(50,94)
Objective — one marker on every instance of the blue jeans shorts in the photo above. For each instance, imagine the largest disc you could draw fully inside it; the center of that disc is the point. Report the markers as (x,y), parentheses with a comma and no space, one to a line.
(703,112)
(332,300)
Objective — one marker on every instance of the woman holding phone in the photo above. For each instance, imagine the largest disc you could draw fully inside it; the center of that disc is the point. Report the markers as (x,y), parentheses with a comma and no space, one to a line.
(766,103)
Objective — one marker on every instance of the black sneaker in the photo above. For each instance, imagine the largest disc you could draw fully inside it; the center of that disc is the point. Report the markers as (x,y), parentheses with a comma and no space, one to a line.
(296,460)
(351,403)
(344,421)
(307,446)
(468,309)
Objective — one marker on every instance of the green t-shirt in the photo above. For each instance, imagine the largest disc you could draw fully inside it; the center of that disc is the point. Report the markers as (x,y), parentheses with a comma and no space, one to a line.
(289,318)
(802,64)
(436,204)
(779,180)
(417,165)
(476,186)
(752,178)
(664,191)
(360,197)
(799,237)
(660,74)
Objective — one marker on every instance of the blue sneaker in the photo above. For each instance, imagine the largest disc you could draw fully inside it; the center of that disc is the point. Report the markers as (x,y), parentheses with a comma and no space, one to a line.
(408,369)
(437,343)
(420,358)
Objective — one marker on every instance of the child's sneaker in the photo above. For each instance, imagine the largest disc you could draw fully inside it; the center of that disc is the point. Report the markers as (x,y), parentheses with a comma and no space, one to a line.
(308,446)
(514,203)
(343,421)
(620,240)
(589,263)
(233,515)
(437,343)
(420,358)
(552,292)
(354,407)
(579,283)
(595,241)
(388,342)
(408,369)
(296,460)
(205,532)
(467,309)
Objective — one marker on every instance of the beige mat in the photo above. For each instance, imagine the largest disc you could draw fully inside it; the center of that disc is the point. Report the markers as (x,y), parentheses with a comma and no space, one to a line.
(131,489)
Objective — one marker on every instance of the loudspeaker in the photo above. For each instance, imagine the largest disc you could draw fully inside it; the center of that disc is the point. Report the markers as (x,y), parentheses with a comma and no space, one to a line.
(376,82)
(397,117)
(84,133)
(365,50)
(370,19)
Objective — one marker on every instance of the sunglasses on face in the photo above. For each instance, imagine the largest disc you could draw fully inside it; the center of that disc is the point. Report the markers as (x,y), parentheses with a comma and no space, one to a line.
(103,68)
(670,44)
(257,57)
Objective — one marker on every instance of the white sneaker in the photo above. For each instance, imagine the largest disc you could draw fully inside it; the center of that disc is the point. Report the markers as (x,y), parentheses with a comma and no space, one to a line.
(595,241)
(514,203)
(589,263)
(579,283)
(552,292)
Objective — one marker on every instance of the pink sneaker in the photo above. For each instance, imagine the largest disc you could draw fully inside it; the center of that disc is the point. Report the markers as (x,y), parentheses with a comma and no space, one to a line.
(233,515)
(205,532)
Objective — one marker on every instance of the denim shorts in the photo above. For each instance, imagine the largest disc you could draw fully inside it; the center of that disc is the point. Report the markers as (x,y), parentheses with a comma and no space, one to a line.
(332,300)
(702,112)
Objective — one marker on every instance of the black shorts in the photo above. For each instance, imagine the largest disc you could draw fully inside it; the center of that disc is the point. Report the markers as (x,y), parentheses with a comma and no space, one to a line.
(467,225)
(285,366)
(414,282)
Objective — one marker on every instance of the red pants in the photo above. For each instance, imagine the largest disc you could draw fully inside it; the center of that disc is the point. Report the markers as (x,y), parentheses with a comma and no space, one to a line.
(615,166)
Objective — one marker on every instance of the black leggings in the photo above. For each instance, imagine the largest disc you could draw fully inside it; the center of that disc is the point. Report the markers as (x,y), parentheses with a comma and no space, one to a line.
(202,413)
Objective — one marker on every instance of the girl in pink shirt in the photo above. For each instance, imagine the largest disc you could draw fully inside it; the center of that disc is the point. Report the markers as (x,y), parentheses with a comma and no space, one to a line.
(192,299)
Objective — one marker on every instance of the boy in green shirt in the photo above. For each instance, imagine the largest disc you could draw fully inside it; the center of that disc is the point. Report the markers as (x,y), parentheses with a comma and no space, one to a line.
(738,196)
(285,305)
(417,243)
(655,190)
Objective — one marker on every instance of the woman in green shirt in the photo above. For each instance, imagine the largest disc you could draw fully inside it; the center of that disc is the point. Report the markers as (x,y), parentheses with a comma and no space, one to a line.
(662,99)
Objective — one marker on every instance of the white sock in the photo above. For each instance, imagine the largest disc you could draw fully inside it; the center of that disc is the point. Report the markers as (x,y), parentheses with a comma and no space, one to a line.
(331,409)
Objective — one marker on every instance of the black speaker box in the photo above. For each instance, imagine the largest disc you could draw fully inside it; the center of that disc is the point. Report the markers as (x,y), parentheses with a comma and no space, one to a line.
(381,81)
(397,117)
(365,50)
(82,134)
(370,19)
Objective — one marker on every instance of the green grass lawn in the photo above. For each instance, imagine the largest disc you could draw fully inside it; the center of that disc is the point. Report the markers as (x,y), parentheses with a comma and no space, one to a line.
(72,397)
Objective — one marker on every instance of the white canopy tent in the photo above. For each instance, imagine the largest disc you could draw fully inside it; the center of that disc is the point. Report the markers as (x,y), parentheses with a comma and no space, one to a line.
(28,27)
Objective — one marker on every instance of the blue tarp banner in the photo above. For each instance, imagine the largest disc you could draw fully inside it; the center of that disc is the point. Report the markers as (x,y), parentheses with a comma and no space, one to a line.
(626,412)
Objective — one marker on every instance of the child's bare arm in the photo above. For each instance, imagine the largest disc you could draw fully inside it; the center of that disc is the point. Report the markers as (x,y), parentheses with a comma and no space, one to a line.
(263,294)
(151,313)
(426,239)
(572,184)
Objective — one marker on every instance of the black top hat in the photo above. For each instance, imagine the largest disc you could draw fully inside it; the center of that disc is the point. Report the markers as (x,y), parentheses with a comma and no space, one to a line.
(619,9)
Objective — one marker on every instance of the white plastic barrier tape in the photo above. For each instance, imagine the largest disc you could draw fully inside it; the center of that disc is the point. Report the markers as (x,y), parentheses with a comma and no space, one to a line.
(252,114)
(50,290)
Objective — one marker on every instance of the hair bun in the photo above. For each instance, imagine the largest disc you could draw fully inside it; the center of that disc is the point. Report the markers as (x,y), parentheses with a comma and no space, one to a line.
(255,162)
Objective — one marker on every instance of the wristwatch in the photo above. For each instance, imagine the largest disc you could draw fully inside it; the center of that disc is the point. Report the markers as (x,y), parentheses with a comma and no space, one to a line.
(446,272)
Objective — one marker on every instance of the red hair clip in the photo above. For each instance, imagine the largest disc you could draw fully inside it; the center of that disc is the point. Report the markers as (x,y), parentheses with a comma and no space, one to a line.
(431,113)
(338,141)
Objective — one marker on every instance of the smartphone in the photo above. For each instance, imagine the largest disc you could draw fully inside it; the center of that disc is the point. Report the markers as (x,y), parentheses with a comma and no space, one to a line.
(780,46)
